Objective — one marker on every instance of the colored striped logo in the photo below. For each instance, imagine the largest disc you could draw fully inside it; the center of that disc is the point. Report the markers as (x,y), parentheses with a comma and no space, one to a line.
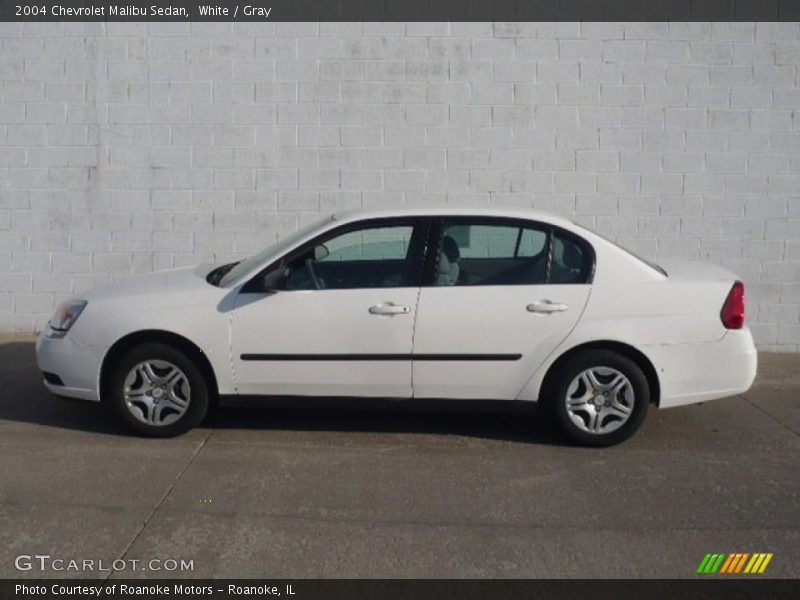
(737,562)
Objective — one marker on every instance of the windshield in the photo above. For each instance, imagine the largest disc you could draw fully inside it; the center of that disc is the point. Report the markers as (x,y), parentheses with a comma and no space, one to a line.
(248,264)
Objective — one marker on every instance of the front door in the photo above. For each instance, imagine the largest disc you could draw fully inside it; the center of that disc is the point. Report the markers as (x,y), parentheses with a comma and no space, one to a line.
(339,318)
(504,294)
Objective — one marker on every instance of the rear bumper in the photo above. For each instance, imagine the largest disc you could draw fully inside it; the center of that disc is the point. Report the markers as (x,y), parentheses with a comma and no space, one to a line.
(76,365)
(690,373)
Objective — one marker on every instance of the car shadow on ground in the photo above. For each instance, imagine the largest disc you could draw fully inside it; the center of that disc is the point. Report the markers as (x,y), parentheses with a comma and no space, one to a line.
(23,399)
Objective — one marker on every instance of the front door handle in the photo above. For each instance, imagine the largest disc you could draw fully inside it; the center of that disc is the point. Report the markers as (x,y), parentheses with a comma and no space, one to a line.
(389,308)
(547,307)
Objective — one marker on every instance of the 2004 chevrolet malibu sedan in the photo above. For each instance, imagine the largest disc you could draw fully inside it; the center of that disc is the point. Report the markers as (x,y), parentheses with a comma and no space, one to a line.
(427,305)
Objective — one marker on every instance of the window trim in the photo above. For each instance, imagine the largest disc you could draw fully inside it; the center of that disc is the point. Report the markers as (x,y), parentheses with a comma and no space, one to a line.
(519,241)
(420,229)
(435,237)
(551,246)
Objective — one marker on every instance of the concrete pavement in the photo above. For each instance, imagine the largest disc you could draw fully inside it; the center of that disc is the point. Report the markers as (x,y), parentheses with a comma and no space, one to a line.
(283,493)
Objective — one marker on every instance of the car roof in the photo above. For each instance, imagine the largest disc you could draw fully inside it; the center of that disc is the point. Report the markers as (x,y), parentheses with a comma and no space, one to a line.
(487,211)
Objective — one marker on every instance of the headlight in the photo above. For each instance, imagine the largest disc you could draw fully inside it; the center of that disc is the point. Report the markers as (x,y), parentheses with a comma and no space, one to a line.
(66,315)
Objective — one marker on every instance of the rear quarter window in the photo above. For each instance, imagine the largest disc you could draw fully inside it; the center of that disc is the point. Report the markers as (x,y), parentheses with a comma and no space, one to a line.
(572,260)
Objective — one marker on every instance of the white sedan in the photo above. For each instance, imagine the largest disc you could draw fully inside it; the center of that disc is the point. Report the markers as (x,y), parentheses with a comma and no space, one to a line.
(512,307)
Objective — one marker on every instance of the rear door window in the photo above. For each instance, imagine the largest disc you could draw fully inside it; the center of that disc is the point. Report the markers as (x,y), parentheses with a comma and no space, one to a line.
(491,254)
(508,252)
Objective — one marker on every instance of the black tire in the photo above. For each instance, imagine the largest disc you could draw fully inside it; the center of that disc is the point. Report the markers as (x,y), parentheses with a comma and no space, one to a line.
(572,368)
(198,401)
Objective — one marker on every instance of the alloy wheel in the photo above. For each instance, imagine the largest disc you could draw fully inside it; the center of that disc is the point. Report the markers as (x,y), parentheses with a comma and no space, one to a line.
(599,400)
(157,392)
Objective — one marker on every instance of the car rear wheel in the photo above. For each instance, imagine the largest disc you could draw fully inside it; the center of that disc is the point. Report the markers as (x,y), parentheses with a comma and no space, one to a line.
(600,398)
(157,391)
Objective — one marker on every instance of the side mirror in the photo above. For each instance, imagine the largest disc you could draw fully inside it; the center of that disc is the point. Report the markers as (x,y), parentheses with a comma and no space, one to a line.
(321,252)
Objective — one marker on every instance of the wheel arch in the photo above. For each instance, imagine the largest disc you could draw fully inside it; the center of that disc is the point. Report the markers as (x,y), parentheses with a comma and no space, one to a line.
(192,351)
(626,350)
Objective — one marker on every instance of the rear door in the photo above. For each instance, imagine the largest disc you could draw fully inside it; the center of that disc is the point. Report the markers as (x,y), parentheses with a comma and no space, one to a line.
(501,295)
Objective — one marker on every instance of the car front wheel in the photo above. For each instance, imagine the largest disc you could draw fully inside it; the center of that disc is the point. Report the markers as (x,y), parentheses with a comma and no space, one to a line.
(600,398)
(157,391)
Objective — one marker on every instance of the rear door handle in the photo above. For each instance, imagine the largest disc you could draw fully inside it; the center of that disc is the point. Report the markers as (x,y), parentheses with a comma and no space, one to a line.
(389,308)
(547,307)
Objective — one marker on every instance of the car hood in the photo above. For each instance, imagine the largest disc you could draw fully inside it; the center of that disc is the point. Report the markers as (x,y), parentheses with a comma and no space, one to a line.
(691,270)
(180,279)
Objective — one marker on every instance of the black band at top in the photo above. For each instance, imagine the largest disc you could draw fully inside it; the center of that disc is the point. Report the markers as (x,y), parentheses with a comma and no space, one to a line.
(401,10)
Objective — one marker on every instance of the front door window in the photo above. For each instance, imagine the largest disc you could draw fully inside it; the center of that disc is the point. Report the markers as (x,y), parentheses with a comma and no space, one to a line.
(374,257)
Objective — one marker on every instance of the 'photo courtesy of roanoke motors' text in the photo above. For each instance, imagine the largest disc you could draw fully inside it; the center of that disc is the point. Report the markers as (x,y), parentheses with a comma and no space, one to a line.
(263,589)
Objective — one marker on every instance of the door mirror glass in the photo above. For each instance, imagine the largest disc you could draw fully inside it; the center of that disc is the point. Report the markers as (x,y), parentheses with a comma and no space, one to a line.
(321,252)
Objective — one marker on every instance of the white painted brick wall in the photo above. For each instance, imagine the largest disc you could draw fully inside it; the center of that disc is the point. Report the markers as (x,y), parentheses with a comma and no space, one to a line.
(128,147)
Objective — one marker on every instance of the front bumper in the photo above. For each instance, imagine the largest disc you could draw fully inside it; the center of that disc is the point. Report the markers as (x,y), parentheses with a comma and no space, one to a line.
(75,364)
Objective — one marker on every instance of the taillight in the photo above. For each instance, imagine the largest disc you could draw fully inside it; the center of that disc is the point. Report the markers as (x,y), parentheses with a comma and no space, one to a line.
(732,313)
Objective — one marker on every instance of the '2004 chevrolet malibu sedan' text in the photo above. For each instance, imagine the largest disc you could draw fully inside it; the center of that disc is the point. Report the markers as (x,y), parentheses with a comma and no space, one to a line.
(427,304)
